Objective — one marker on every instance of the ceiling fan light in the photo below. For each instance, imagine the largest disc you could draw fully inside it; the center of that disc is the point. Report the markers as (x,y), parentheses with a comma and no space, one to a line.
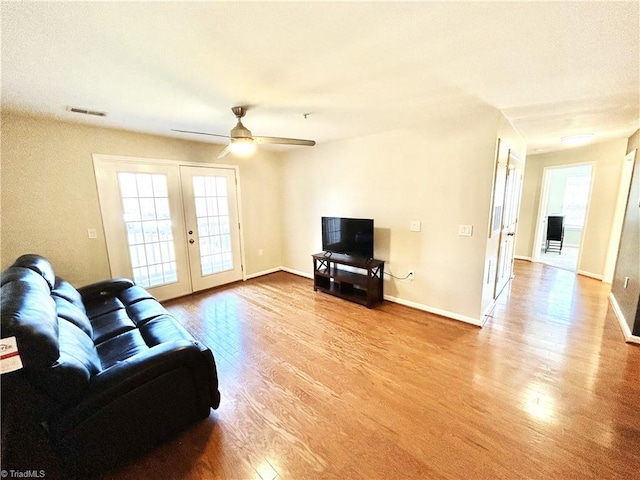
(576,140)
(242,147)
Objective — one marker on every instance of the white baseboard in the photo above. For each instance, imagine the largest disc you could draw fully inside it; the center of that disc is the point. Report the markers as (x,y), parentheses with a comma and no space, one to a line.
(279,269)
(437,311)
(297,272)
(589,274)
(263,272)
(522,257)
(624,326)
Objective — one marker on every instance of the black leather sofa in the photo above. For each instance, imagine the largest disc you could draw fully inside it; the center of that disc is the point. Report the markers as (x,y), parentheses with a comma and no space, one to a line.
(107,371)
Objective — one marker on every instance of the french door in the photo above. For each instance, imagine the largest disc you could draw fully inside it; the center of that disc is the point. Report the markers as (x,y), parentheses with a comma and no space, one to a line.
(173,229)
(211,223)
(506,249)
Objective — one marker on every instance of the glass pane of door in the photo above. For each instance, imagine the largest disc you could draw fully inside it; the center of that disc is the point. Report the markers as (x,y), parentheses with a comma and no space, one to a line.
(147,219)
(213,230)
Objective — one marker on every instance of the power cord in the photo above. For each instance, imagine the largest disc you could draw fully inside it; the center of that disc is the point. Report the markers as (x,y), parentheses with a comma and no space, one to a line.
(409,275)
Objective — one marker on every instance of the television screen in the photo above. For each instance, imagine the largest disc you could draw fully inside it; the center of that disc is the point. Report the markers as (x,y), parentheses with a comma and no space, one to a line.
(350,236)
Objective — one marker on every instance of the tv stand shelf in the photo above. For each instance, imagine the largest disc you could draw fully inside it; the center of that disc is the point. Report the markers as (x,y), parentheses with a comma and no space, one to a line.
(363,286)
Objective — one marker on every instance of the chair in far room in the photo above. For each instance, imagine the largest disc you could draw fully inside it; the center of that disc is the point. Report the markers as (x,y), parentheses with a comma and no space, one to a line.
(555,233)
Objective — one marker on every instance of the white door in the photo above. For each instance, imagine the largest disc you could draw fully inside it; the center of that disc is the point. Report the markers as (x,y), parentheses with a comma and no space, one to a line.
(154,221)
(506,249)
(212,226)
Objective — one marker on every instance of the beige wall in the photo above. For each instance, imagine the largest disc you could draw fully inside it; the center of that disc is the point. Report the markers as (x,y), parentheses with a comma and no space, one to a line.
(628,260)
(607,159)
(49,194)
(439,174)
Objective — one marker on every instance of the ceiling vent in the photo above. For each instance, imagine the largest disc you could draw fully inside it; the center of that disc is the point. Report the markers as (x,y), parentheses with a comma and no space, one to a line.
(87,112)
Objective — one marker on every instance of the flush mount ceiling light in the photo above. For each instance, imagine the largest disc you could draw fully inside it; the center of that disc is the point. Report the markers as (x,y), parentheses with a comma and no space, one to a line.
(575,140)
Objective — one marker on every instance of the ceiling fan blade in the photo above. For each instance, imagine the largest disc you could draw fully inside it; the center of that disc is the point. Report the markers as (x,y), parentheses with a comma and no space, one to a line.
(199,133)
(225,151)
(284,141)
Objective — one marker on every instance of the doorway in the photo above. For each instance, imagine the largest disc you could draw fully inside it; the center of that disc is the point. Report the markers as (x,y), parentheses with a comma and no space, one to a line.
(172,228)
(562,215)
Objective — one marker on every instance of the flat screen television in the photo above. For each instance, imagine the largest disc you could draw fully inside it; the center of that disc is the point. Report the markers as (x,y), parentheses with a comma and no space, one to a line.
(349,236)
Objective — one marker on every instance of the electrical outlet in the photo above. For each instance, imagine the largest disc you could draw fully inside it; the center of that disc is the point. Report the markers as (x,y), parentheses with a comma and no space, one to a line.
(411,276)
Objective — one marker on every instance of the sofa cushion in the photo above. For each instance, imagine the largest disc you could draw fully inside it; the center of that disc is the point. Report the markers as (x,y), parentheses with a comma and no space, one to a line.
(69,312)
(38,264)
(144,310)
(68,379)
(12,274)
(120,348)
(163,329)
(29,314)
(77,348)
(134,294)
(111,304)
(111,324)
(64,289)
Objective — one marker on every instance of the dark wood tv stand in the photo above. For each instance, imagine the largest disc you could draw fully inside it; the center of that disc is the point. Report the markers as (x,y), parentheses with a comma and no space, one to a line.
(364,285)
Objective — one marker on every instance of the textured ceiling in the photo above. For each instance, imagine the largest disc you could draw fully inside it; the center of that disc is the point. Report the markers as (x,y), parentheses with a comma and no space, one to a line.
(359,68)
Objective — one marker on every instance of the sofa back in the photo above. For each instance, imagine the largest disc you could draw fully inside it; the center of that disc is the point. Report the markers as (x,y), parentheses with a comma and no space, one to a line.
(53,333)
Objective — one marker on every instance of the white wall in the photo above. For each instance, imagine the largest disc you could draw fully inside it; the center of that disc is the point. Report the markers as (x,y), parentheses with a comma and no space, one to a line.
(439,174)
(625,288)
(49,193)
(607,159)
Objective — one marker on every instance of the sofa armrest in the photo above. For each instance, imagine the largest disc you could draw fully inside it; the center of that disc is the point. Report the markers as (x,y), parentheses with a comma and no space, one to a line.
(104,289)
(135,404)
(139,369)
(146,366)
(114,383)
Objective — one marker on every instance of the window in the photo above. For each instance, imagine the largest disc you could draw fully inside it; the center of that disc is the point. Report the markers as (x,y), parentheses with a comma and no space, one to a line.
(576,196)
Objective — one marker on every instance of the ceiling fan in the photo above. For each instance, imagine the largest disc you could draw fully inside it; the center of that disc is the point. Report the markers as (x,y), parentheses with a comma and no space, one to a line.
(242,142)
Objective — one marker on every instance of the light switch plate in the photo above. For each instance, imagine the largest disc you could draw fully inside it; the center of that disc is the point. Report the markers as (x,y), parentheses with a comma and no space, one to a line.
(465,230)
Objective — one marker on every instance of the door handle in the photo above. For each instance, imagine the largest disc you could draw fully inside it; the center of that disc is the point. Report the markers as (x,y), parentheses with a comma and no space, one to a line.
(511,234)
(191,240)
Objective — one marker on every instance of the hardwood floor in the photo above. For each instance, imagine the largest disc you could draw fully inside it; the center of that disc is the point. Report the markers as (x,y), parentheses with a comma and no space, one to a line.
(316,387)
